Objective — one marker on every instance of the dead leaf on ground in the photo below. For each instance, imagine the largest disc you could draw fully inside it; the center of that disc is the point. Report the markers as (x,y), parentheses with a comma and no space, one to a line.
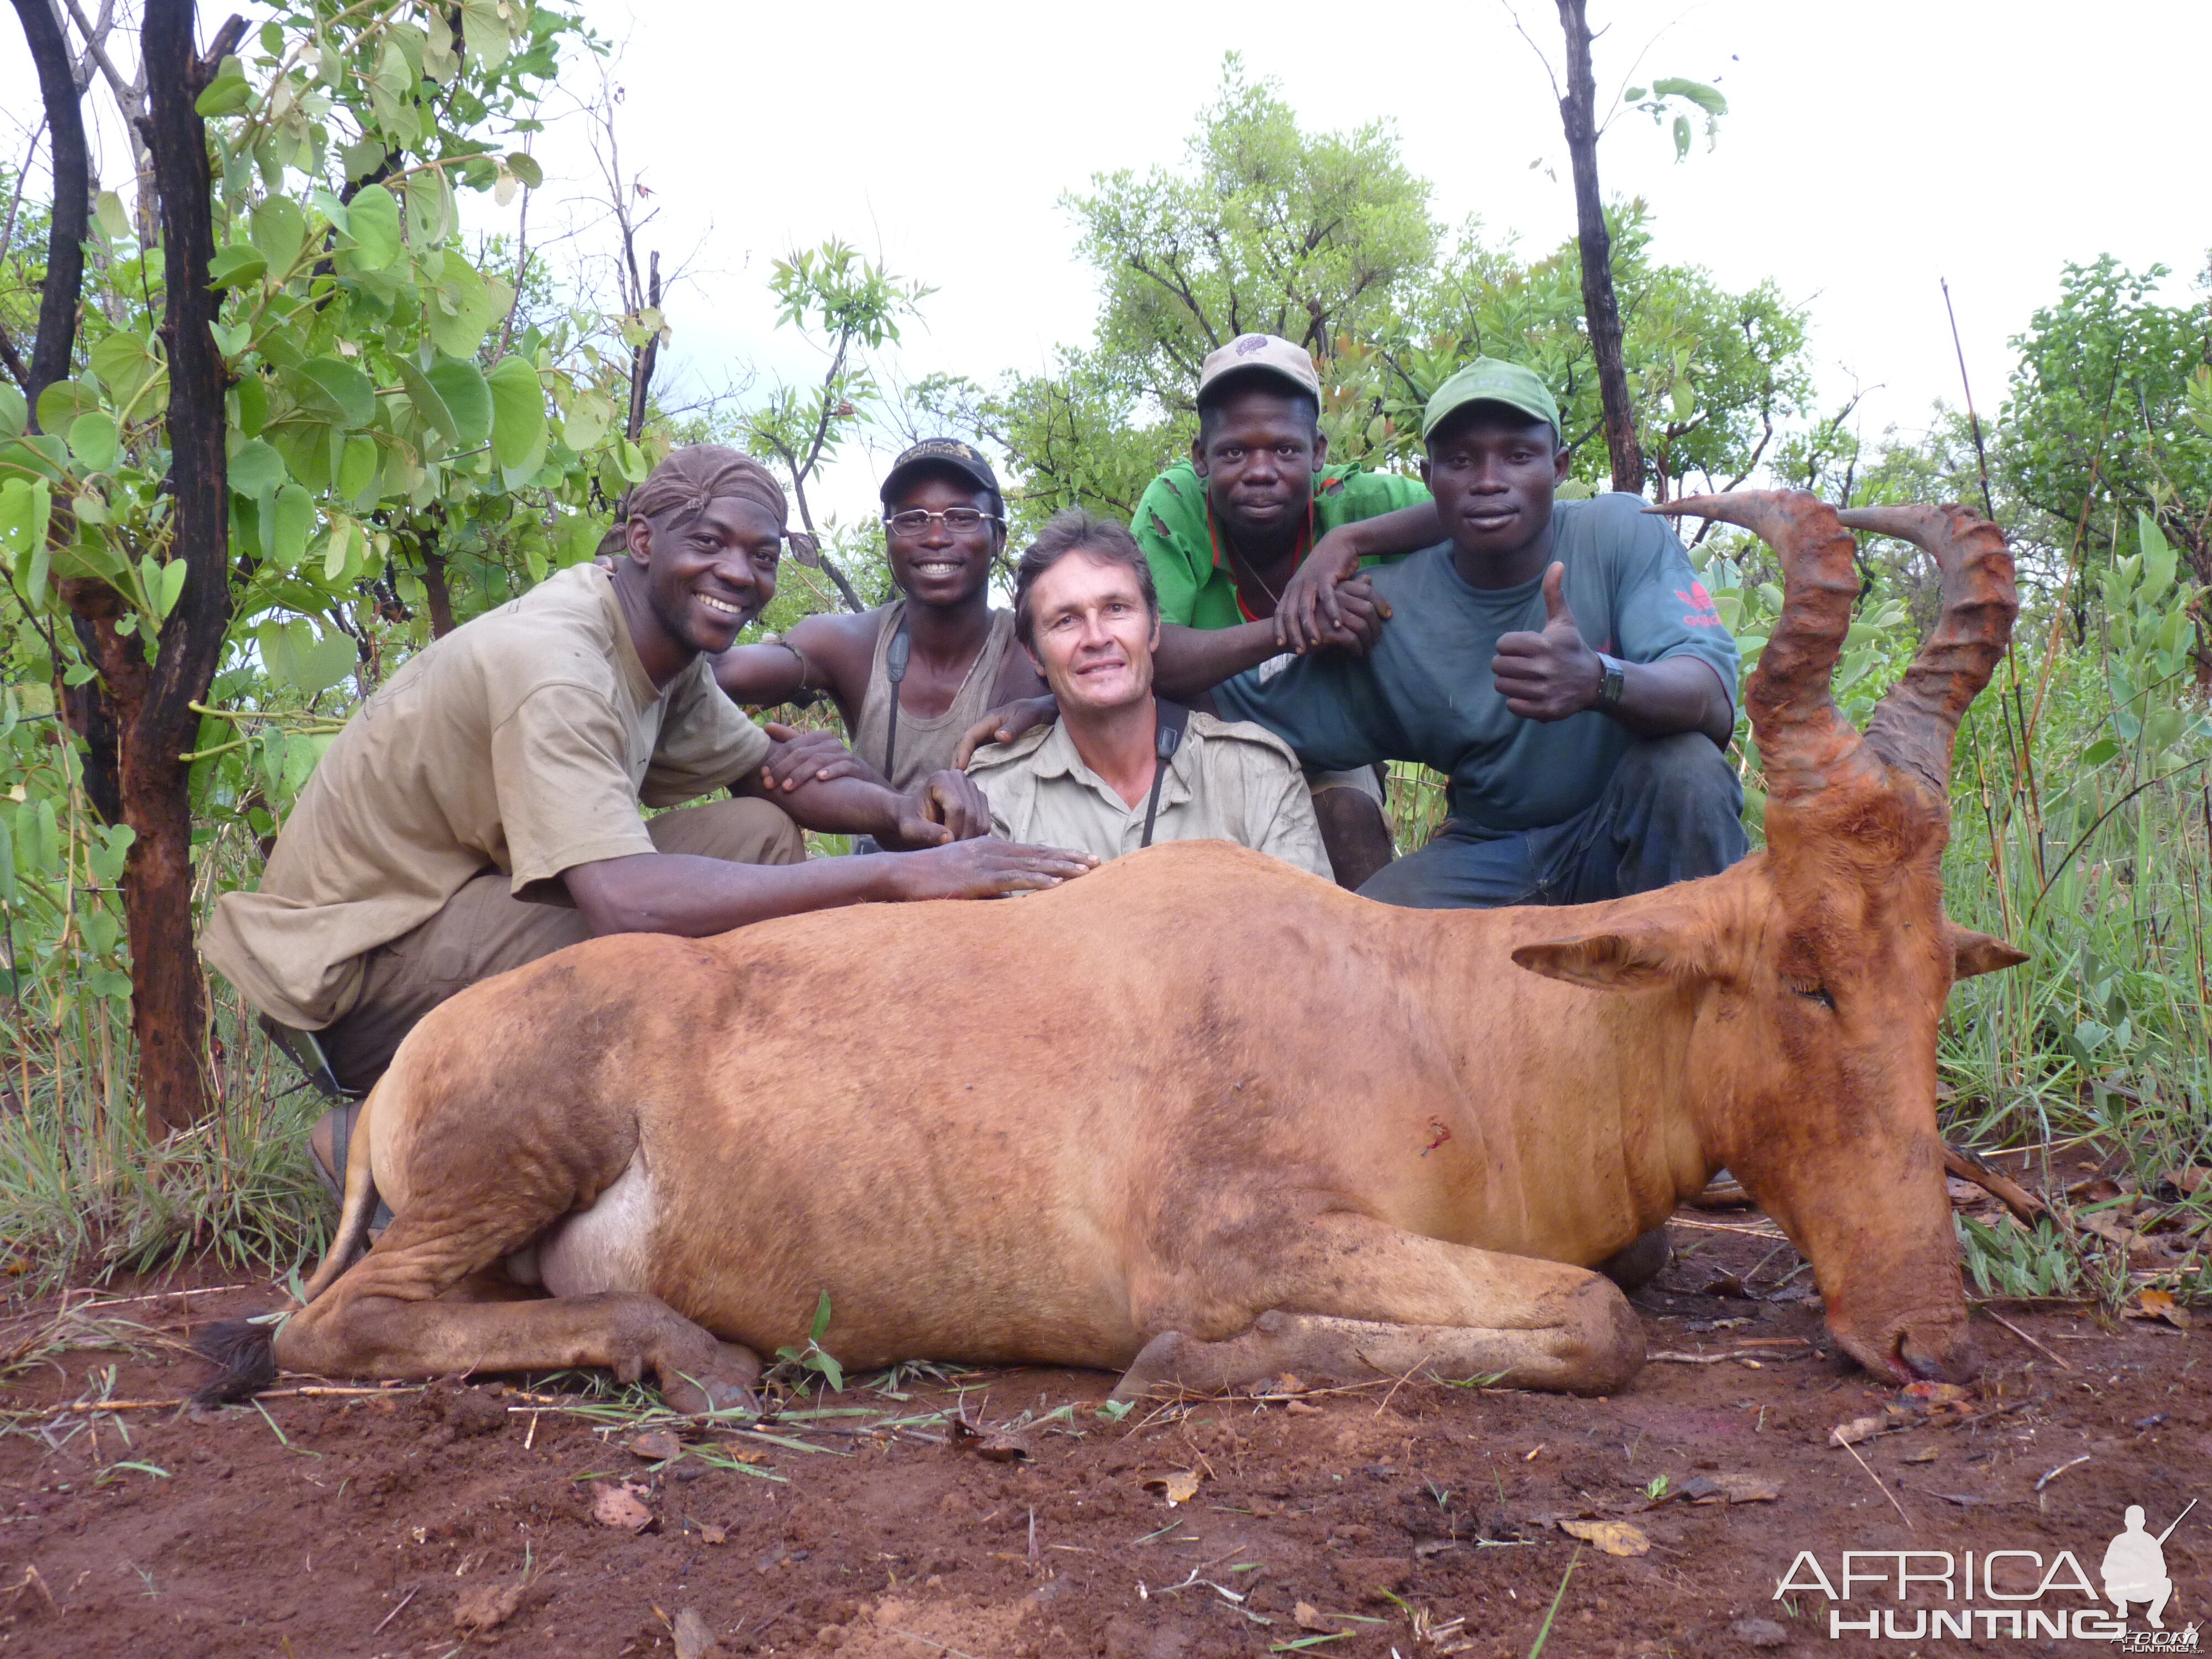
(693,1639)
(1926,1455)
(2189,1180)
(713,1534)
(623,1507)
(1613,1537)
(655,1446)
(1299,1408)
(1309,1617)
(1729,1489)
(1178,1487)
(1001,1448)
(1858,1429)
(2151,1302)
(487,1607)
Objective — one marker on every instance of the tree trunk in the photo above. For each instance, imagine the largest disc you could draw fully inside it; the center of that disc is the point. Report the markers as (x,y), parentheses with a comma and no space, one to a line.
(435,592)
(72,207)
(1579,111)
(169,1004)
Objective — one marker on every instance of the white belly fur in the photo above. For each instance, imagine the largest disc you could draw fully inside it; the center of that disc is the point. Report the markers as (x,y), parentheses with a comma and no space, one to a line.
(604,1248)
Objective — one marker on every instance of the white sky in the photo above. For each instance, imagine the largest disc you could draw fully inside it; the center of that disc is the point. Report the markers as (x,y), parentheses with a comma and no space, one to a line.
(1871,148)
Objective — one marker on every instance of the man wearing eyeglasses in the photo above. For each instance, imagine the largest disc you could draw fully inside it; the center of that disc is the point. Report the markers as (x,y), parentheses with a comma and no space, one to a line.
(910,677)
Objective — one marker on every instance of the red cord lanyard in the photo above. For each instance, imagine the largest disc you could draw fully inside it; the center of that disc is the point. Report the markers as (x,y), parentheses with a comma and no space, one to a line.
(1214,540)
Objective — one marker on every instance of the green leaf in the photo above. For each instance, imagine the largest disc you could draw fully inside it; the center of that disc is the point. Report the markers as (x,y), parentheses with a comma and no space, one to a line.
(458,309)
(590,417)
(62,403)
(372,221)
(280,230)
(255,469)
(2100,751)
(347,393)
(293,521)
(821,1319)
(92,440)
(1706,98)
(524,166)
(518,419)
(1632,95)
(227,94)
(335,550)
(235,264)
(461,386)
(308,663)
(1681,137)
(429,403)
(14,413)
(26,510)
(429,207)
(484,32)
(123,364)
(165,585)
(357,471)
(113,219)
(2158,559)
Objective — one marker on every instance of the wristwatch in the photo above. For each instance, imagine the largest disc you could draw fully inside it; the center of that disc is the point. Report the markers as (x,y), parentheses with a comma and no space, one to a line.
(1614,675)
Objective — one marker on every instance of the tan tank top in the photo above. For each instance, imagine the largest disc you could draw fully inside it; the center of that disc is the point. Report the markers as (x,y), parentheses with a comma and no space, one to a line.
(926,746)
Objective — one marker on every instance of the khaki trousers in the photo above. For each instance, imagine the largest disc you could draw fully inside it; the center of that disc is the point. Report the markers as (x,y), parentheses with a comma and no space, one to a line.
(485,930)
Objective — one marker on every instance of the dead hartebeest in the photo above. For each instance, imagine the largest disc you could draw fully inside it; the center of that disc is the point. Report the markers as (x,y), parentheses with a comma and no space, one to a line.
(1205,1119)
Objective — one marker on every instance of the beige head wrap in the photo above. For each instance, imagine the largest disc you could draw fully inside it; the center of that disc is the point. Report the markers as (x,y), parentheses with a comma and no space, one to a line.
(691,478)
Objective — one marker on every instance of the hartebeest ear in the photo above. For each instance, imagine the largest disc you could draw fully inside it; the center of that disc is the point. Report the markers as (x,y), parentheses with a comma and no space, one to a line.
(1631,959)
(1973,953)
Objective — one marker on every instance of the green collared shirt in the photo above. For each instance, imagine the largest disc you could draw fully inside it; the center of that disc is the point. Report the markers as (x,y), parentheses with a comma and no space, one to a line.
(1196,589)
(1229,781)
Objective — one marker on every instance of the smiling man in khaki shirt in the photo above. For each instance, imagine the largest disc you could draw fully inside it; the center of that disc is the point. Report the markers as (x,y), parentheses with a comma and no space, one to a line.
(484,808)
(1085,612)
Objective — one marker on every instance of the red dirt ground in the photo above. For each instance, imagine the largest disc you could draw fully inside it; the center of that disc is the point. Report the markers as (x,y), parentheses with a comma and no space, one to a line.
(365,1525)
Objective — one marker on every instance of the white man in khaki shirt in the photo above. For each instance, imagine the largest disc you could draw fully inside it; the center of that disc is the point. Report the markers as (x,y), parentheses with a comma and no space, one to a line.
(1095,781)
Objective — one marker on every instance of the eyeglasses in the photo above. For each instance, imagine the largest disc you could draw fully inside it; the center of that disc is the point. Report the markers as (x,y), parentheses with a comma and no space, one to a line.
(959,519)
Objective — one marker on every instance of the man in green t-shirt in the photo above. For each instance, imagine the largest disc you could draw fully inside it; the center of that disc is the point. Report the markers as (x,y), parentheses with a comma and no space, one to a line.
(1250,541)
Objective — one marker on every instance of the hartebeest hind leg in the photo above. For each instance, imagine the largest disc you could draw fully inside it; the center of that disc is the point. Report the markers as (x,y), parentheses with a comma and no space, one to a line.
(1353,1299)
(405,1309)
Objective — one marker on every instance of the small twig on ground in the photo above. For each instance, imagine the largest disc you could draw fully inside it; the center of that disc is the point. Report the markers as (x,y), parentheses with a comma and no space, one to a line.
(163,1296)
(1771,1233)
(2025,1207)
(2049,1475)
(2026,1337)
(1876,1479)
(397,1611)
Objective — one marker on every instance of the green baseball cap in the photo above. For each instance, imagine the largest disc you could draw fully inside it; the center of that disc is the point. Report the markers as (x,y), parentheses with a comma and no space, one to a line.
(1489,381)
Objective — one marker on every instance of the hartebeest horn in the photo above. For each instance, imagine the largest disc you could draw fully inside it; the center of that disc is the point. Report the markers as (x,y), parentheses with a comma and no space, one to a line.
(1802,737)
(1919,715)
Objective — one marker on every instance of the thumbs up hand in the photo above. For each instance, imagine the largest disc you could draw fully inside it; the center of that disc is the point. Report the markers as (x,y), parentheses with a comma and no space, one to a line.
(1553,674)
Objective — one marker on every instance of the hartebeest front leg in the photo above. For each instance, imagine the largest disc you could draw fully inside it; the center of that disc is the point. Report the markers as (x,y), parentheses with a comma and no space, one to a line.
(1356,1299)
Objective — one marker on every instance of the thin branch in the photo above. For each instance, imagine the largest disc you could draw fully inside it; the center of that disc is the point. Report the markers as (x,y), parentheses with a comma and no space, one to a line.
(1548,72)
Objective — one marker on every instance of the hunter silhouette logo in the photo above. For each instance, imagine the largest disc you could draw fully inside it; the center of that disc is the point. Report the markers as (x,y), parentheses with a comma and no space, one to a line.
(2134,1567)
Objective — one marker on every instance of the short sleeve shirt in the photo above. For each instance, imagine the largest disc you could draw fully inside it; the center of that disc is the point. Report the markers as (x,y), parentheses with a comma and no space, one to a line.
(526,742)
(1425,692)
(1226,782)
(1172,525)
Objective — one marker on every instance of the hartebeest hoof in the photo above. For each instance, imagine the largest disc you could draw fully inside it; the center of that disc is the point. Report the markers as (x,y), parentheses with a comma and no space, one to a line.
(726,1388)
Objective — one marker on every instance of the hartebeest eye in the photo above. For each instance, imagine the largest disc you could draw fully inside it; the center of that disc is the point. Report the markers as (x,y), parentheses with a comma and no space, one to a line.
(1816,993)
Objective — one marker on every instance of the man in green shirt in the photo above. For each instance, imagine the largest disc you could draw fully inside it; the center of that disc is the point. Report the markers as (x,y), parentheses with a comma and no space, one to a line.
(1249,539)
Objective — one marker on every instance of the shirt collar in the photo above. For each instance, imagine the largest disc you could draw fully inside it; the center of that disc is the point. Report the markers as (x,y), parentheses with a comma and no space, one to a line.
(1058,757)
(626,658)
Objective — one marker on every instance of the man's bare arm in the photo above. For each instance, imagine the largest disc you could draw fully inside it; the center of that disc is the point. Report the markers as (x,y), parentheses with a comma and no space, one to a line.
(694,897)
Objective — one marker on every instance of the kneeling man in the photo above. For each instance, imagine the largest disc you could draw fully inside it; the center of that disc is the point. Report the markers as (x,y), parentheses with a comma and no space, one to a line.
(482,809)
(1113,774)
(1559,661)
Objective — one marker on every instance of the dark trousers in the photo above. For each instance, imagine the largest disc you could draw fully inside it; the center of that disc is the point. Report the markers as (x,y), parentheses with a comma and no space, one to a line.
(1671,811)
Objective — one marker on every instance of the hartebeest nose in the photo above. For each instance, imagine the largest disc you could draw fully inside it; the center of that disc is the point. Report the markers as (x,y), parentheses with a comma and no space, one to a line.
(1939,1353)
